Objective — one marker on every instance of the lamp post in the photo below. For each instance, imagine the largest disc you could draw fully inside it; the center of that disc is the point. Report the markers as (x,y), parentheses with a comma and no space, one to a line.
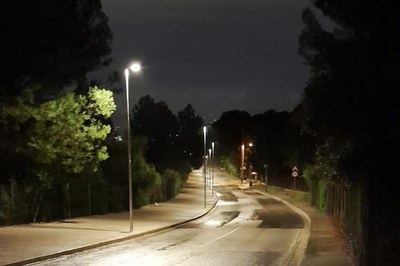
(204,164)
(210,169)
(241,163)
(134,68)
(244,160)
(212,166)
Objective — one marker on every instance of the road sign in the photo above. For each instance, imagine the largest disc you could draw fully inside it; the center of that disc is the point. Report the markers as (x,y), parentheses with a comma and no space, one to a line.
(295,171)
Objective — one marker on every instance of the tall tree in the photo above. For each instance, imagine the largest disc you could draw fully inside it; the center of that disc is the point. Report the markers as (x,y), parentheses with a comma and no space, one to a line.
(189,138)
(157,122)
(232,129)
(349,107)
(270,133)
(58,137)
(51,43)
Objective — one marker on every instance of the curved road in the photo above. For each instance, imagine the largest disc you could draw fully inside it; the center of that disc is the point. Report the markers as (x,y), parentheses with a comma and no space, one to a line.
(245,228)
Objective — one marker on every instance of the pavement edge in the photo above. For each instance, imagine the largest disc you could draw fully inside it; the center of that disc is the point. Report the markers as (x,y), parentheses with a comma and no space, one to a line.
(109,242)
(295,254)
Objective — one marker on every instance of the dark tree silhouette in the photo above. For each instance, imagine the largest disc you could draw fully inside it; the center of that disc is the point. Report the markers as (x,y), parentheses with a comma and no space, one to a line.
(231,130)
(190,139)
(157,122)
(172,142)
(51,44)
(271,132)
(349,107)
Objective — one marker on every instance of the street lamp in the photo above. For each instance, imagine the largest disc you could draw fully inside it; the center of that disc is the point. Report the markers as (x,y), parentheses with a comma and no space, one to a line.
(210,169)
(244,163)
(241,163)
(204,164)
(212,166)
(248,163)
(134,68)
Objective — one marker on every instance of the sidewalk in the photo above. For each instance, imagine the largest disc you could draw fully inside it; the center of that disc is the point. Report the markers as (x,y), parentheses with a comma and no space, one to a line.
(22,244)
(326,245)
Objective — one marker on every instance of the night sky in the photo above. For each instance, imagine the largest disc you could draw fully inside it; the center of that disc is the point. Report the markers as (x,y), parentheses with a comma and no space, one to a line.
(217,55)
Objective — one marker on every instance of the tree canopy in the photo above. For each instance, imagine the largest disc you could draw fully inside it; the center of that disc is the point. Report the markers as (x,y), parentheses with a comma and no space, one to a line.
(231,129)
(51,44)
(173,142)
(61,136)
(189,138)
(349,107)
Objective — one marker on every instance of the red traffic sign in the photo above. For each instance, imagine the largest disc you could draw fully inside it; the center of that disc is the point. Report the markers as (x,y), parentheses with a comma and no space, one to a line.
(295,171)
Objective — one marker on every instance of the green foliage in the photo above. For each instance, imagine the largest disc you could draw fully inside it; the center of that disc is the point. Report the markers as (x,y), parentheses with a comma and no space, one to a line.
(115,170)
(146,180)
(171,183)
(100,103)
(226,163)
(79,193)
(5,206)
(292,196)
(69,132)
(55,139)
(16,203)
(321,204)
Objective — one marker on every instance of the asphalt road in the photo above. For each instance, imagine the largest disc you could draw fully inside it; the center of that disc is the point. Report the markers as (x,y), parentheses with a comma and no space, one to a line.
(245,228)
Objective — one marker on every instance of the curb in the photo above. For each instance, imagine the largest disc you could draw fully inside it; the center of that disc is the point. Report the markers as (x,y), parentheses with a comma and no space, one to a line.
(295,254)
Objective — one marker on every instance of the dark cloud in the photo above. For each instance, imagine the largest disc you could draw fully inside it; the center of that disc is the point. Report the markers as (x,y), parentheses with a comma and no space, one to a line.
(217,55)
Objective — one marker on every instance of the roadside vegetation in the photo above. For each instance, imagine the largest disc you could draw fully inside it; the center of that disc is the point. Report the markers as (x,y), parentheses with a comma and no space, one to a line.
(343,136)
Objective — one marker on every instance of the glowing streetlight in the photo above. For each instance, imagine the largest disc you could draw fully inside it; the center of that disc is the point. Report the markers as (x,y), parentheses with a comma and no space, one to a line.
(134,68)
(243,164)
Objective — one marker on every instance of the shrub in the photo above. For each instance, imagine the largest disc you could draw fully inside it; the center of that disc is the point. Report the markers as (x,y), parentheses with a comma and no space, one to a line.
(171,183)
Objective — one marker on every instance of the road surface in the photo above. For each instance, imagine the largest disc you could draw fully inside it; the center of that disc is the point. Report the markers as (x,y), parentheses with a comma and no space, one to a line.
(245,228)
